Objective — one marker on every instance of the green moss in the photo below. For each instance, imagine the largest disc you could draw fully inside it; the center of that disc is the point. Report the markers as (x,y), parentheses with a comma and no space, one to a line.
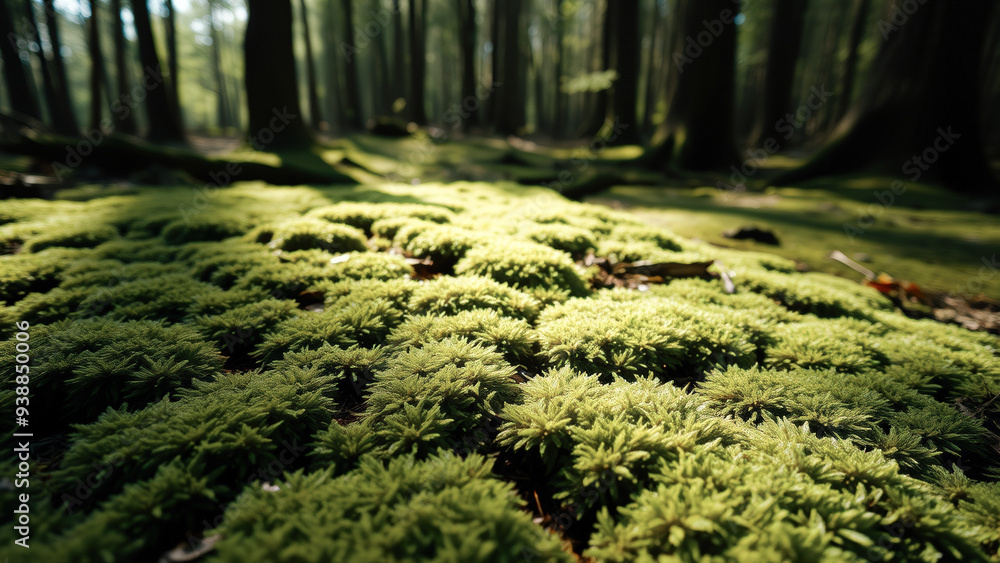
(239,330)
(444,244)
(822,295)
(369,265)
(311,233)
(135,251)
(648,235)
(511,337)
(524,265)
(363,215)
(71,237)
(444,509)
(338,295)
(164,298)
(205,226)
(33,273)
(451,295)
(573,240)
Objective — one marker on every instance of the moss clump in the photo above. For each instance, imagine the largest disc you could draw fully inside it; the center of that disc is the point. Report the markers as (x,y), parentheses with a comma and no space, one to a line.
(91,365)
(511,337)
(446,245)
(349,370)
(239,330)
(369,265)
(363,215)
(165,298)
(71,237)
(573,240)
(135,251)
(819,294)
(451,295)
(311,233)
(645,235)
(339,295)
(205,226)
(22,274)
(524,265)
(444,509)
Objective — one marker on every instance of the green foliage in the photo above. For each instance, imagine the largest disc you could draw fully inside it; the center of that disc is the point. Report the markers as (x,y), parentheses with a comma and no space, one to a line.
(452,295)
(71,236)
(351,369)
(574,240)
(445,244)
(205,226)
(511,337)
(311,233)
(819,294)
(443,509)
(22,274)
(369,265)
(524,265)
(164,298)
(135,251)
(396,292)
(363,215)
(239,330)
(90,365)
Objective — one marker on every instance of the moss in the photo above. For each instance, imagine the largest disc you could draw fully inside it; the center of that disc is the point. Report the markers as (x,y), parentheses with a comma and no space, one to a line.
(819,294)
(33,273)
(363,215)
(349,370)
(445,508)
(205,226)
(572,240)
(239,330)
(90,365)
(135,251)
(446,245)
(338,295)
(71,237)
(645,235)
(369,265)
(511,337)
(311,233)
(451,295)
(164,298)
(524,265)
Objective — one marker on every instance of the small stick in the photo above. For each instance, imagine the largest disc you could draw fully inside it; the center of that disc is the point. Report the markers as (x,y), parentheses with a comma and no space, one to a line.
(843,259)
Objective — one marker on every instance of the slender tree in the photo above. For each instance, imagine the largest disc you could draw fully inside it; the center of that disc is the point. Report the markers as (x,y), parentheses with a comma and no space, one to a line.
(919,114)
(467,54)
(398,57)
(272,89)
(697,133)
(861,8)
(164,124)
(332,85)
(558,96)
(171,33)
(352,109)
(63,118)
(509,116)
(223,111)
(418,60)
(782,54)
(315,117)
(96,66)
(16,78)
(124,120)
(623,57)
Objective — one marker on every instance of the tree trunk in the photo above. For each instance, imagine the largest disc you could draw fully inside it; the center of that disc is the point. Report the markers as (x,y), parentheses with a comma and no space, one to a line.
(919,112)
(352,111)
(623,56)
(332,91)
(164,126)
(783,49)
(467,53)
(510,115)
(15,76)
(398,56)
(595,122)
(272,89)
(697,133)
(315,118)
(418,60)
(63,118)
(221,92)
(861,9)
(124,120)
(96,66)
(175,97)
(558,96)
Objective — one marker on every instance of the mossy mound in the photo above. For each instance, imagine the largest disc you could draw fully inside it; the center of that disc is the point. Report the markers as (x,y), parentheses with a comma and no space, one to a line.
(390,379)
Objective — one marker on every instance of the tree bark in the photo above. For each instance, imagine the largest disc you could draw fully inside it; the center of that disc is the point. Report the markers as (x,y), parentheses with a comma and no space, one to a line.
(510,116)
(398,56)
(164,125)
(697,133)
(861,8)
(221,91)
(558,96)
(96,66)
(921,102)
(315,118)
(332,91)
(63,118)
(352,111)
(125,121)
(418,60)
(784,44)
(272,89)
(15,76)
(467,54)
(623,55)
(175,97)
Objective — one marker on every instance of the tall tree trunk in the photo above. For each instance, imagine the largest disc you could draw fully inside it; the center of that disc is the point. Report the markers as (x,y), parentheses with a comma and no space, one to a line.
(418,60)
(861,8)
(697,133)
(96,66)
(509,118)
(623,57)
(653,80)
(63,118)
(467,53)
(382,96)
(398,56)
(596,120)
(272,89)
(315,118)
(164,125)
(16,77)
(558,96)
(919,112)
(124,119)
(175,97)
(332,91)
(352,111)
(223,112)
(783,49)
(47,86)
